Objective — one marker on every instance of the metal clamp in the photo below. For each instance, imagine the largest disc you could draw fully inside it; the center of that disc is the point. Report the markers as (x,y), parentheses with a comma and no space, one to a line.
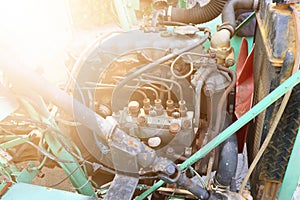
(170,171)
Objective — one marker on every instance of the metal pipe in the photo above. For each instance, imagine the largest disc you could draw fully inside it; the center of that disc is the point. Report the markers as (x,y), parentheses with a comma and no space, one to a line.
(251,114)
(153,90)
(156,63)
(197,14)
(202,78)
(152,82)
(167,80)
(198,101)
(228,16)
(224,96)
(161,90)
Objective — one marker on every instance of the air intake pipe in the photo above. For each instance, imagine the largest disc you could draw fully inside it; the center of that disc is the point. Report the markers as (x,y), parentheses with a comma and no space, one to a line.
(228,16)
(220,41)
(197,14)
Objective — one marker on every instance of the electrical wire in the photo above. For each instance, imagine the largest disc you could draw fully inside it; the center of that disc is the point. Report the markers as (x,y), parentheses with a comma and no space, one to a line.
(67,177)
(80,158)
(50,156)
(203,183)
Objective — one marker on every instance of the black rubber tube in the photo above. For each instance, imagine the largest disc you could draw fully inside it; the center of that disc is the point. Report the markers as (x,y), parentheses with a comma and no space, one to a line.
(197,14)
(193,187)
(227,162)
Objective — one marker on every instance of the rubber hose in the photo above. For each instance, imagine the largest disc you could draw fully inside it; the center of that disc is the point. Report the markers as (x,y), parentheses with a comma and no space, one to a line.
(197,14)
(228,15)
(228,159)
(227,162)
(193,187)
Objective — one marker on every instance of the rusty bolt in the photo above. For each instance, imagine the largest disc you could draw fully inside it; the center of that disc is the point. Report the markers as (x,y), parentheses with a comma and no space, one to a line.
(170,170)
(186,124)
(142,121)
(174,128)
(176,115)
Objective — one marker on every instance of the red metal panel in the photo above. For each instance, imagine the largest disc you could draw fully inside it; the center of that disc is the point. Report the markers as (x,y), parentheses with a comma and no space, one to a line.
(244,88)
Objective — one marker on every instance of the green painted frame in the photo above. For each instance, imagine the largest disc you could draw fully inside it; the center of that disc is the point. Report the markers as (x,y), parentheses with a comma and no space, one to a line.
(251,114)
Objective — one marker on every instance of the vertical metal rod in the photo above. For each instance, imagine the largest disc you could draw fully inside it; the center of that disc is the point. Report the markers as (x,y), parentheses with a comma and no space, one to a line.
(292,174)
(258,108)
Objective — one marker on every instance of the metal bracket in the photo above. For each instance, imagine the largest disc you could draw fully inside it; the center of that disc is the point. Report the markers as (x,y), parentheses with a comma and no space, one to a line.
(122,187)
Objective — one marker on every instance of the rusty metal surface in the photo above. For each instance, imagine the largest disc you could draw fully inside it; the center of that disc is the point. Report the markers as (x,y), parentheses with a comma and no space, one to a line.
(122,187)
(279,35)
(274,37)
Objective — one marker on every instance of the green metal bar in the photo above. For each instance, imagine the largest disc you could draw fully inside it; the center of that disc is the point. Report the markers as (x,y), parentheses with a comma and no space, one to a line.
(125,12)
(244,23)
(10,137)
(182,3)
(121,14)
(77,176)
(14,142)
(78,179)
(258,108)
(131,5)
(34,192)
(292,174)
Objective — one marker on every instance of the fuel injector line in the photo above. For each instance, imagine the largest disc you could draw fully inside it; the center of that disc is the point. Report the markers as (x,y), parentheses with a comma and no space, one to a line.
(155,63)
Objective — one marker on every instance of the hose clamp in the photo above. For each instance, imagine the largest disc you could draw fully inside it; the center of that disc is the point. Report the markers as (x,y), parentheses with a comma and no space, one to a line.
(216,186)
(227,26)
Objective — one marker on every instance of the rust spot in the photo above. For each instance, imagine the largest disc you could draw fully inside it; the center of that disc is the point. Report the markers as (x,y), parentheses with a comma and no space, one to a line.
(130,143)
